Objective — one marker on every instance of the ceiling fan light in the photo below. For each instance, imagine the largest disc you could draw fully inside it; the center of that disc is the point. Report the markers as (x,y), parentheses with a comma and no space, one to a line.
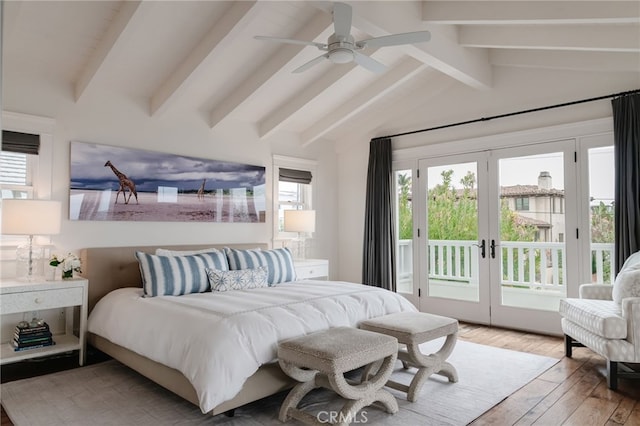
(341,56)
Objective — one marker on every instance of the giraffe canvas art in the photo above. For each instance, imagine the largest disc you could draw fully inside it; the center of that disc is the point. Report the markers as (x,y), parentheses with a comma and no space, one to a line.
(162,187)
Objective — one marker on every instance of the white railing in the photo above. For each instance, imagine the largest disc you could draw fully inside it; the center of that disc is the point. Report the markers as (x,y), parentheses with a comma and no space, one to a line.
(532,265)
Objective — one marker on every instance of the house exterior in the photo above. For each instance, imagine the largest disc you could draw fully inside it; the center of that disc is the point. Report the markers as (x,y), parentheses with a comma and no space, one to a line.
(539,205)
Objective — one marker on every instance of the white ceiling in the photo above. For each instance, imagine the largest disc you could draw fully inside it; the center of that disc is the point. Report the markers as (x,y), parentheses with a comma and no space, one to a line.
(201,57)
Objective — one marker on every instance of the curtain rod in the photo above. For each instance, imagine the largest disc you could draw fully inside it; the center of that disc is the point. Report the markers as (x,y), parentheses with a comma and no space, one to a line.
(460,123)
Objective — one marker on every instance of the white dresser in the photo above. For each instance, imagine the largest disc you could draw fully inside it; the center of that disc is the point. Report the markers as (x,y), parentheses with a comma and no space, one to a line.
(25,296)
(312,268)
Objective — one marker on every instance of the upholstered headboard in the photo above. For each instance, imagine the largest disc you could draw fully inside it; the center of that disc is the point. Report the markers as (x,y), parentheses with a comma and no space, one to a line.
(109,268)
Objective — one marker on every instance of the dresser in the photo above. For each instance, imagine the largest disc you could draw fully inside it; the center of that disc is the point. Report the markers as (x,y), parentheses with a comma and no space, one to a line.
(31,296)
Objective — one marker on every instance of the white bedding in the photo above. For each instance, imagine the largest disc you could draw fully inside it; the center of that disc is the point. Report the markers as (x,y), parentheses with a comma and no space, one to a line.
(218,340)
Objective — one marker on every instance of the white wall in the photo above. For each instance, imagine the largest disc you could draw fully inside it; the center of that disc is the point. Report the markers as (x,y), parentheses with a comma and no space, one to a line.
(515,89)
(110,119)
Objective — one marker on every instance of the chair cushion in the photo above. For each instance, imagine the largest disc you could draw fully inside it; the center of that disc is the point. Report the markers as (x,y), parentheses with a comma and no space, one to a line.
(626,284)
(601,317)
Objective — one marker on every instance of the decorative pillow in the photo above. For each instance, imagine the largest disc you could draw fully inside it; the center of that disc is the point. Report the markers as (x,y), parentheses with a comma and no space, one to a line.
(177,275)
(626,284)
(167,252)
(237,280)
(279,262)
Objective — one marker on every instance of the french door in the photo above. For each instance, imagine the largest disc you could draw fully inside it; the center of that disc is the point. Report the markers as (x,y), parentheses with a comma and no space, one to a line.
(453,237)
(497,235)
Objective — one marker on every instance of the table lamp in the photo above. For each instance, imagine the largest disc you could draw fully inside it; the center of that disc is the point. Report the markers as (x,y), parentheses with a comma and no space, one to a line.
(30,217)
(302,222)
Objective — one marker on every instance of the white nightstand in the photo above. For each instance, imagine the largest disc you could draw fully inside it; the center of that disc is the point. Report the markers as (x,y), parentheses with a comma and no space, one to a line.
(23,296)
(312,268)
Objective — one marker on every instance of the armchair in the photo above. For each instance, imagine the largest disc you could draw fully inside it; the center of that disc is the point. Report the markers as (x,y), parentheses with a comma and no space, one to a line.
(608,327)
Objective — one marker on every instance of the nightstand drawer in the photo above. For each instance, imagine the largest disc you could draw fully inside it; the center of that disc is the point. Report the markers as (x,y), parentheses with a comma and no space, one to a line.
(44,299)
(320,270)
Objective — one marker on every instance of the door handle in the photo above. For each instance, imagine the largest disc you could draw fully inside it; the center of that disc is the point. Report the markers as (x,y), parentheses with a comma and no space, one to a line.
(493,249)
(483,249)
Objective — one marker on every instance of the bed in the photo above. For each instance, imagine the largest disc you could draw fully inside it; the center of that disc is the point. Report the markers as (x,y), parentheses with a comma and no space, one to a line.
(230,359)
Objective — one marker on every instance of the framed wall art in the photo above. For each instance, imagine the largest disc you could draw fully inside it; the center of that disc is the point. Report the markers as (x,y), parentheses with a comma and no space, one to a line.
(116,183)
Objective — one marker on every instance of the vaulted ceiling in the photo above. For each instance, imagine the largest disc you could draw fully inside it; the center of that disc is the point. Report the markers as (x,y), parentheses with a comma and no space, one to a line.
(201,57)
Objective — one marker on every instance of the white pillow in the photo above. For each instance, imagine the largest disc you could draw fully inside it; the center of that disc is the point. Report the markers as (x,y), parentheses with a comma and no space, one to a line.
(237,280)
(627,284)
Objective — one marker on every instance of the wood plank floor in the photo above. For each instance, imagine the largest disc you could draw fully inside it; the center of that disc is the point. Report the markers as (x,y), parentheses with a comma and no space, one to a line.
(573,392)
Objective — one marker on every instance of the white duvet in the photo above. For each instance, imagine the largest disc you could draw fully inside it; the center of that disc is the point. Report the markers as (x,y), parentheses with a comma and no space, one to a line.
(218,340)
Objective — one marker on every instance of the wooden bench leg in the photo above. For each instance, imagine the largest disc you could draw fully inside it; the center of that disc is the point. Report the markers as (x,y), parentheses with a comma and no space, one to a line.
(568,346)
(612,374)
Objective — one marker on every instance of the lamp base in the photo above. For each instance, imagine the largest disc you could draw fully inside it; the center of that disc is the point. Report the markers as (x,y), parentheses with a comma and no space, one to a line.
(29,262)
(298,248)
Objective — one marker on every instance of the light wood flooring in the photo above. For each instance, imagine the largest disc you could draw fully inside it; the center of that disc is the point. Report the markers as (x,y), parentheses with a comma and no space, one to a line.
(573,392)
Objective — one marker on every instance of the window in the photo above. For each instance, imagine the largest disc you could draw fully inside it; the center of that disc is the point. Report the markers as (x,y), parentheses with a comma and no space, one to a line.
(16,171)
(522,203)
(293,189)
(26,161)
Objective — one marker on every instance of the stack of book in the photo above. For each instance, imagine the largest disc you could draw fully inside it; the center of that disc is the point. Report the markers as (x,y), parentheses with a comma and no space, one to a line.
(31,337)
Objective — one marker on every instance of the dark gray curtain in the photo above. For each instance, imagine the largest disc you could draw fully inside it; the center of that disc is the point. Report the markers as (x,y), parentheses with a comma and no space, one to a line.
(626,131)
(378,260)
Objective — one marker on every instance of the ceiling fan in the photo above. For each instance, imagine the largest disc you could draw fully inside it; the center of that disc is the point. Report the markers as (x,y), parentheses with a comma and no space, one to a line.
(341,48)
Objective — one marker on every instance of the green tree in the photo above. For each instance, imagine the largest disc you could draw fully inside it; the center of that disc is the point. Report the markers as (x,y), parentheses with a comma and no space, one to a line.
(405,211)
(453,212)
(602,231)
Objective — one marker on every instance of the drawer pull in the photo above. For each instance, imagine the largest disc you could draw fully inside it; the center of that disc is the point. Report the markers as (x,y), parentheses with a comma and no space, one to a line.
(311,272)
(38,300)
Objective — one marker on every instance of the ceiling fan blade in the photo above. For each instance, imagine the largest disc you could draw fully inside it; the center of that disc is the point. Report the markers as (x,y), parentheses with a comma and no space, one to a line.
(342,19)
(311,63)
(368,62)
(396,39)
(291,41)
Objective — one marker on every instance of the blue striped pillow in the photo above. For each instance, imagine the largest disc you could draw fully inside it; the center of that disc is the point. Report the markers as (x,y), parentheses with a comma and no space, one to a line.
(278,261)
(177,275)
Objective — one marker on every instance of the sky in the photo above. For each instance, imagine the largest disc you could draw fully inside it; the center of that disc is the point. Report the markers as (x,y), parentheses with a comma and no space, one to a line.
(149,169)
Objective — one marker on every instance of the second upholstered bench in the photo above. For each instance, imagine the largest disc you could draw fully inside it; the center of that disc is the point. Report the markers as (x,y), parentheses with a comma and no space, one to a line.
(412,329)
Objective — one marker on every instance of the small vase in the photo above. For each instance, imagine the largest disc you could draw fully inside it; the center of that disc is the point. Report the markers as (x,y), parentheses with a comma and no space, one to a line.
(67,275)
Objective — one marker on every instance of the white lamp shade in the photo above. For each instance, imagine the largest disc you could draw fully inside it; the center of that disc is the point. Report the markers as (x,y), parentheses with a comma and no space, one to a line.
(299,220)
(30,217)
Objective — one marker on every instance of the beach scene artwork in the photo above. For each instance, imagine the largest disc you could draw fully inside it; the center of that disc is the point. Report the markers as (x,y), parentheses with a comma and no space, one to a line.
(117,183)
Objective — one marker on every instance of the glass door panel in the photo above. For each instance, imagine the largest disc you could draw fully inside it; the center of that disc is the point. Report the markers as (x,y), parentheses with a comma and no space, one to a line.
(601,213)
(532,231)
(533,245)
(451,253)
(452,215)
(404,216)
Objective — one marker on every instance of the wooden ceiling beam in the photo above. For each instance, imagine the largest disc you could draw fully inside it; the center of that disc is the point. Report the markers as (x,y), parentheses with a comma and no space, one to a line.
(221,36)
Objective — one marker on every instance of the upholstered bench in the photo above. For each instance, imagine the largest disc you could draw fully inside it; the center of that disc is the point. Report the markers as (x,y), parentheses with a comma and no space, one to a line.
(412,329)
(321,359)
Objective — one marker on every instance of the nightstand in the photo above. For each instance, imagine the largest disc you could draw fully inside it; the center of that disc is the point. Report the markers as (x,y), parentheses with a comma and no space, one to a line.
(312,268)
(29,296)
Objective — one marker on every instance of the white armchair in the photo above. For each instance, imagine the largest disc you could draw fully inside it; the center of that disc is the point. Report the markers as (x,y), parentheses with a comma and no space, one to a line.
(605,326)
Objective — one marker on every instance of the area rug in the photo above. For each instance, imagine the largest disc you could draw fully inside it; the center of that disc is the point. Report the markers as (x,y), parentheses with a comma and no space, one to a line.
(109,393)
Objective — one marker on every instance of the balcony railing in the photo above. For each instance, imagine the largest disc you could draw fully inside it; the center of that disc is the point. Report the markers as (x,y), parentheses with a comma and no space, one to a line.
(530,265)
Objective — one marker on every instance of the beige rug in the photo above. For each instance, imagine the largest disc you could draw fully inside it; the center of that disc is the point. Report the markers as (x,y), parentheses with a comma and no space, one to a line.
(111,394)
